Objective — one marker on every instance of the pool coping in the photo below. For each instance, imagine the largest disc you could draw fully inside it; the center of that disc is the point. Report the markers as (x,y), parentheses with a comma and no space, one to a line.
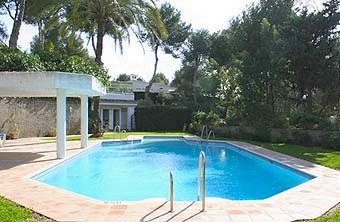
(306,201)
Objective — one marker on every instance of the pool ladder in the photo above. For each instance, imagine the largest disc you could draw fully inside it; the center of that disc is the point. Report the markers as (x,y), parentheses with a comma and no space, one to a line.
(211,132)
(120,132)
(204,130)
(207,133)
(201,184)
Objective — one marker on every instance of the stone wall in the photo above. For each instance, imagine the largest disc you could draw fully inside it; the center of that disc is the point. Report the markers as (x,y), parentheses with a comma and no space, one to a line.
(36,116)
(327,139)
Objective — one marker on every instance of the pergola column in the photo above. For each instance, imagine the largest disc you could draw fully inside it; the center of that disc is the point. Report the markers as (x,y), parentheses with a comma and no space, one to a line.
(61,123)
(84,121)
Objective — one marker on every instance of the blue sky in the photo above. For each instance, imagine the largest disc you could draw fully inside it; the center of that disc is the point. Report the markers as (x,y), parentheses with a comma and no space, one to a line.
(212,15)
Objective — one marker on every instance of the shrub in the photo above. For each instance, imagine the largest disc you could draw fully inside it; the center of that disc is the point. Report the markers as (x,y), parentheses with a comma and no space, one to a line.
(305,121)
(161,118)
(281,122)
(331,140)
(14,60)
(202,118)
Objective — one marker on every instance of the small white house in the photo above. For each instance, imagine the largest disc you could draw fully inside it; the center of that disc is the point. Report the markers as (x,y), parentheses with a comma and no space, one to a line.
(117,109)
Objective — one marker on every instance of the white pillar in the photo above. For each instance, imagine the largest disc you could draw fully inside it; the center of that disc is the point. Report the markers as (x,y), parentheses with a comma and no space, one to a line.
(84,117)
(61,123)
(120,117)
(130,112)
(111,118)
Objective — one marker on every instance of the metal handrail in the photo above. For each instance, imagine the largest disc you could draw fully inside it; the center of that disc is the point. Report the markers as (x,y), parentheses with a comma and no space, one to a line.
(125,133)
(204,129)
(115,130)
(211,132)
(171,195)
(201,173)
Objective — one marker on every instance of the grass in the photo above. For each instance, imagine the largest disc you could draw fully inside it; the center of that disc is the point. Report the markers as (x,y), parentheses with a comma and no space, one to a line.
(333,216)
(108,136)
(11,212)
(326,157)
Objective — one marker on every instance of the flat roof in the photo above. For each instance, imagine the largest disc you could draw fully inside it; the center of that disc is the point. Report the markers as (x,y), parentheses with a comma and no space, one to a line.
(45,84)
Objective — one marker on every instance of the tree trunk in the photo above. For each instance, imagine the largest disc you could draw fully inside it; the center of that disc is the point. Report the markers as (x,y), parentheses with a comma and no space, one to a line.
(148,87)
(13,41)
(97,131)
(194,81)
(100,39)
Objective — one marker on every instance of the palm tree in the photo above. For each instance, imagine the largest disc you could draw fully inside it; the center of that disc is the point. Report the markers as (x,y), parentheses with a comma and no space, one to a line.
(115,18)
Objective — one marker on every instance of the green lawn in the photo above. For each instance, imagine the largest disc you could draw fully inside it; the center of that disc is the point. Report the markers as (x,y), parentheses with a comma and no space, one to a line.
(123,135)
(11,212)
(326,157)
(332,217)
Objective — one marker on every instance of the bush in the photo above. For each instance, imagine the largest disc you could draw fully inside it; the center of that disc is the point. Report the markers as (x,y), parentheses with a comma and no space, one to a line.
(12,60)
(202,118)
(331,140)
(281,122)
(161,118)
(305,121)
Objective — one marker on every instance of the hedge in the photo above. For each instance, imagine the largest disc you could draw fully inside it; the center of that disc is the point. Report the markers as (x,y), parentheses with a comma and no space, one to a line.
(309,138)
(161,118)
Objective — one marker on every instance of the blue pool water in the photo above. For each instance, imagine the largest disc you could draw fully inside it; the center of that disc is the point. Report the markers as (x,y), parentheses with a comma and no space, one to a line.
(118,171)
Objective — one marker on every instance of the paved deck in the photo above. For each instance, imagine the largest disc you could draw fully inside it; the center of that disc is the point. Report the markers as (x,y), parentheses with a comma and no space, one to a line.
(23,158)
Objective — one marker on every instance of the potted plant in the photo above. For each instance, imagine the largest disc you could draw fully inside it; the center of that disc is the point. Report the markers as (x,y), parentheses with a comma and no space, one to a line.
(14,132)
(52,132)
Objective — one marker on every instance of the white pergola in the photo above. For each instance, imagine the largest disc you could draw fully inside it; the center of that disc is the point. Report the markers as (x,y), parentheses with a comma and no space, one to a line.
(54,84)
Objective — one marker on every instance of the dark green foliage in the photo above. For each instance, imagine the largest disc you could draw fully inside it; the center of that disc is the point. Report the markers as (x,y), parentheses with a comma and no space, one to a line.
(161,118)
(331,139)
(161,79)
(77,64)
(15,60)
(123,78)
(202,118)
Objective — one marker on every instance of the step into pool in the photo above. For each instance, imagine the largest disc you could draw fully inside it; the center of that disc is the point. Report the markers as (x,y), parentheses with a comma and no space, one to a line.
(138,170)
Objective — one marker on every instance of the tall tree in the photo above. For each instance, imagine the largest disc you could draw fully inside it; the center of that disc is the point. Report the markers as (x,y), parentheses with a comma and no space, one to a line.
(197,51)
(123,78)
(161,78)
(313,56)
(16,10)
(177,33)
(114,18)
(98,18)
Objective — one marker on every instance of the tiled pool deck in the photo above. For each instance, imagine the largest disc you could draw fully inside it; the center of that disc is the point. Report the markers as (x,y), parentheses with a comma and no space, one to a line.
(23,158)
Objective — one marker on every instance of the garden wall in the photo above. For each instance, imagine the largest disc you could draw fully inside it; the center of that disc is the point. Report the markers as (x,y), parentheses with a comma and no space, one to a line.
(36,116)
(328,139)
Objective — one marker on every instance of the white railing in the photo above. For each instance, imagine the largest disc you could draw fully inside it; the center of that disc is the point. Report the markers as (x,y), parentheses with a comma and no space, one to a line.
(204,130)
(201,174)
(125,134)
(211,132)
(115,130)
(171,192)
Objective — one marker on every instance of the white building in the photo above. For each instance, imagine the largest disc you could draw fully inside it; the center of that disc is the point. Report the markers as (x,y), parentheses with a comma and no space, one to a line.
(117,109)
(118,105)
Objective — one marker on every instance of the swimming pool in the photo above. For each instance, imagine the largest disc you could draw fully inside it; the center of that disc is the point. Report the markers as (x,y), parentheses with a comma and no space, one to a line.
(138,170)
